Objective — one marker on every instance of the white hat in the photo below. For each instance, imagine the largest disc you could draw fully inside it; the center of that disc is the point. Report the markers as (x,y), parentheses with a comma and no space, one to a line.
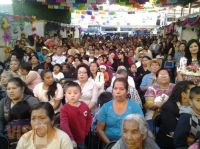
(102,67)
(121,67)
(159,57)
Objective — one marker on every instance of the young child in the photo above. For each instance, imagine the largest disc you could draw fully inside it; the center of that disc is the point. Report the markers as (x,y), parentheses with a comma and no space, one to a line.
(169,64)
(57,72)
(103,98)
(105,74)
(188,127)
(75,116)
(133,73)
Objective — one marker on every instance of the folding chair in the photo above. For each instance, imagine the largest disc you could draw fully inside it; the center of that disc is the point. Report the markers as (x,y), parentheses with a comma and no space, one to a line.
(110,145)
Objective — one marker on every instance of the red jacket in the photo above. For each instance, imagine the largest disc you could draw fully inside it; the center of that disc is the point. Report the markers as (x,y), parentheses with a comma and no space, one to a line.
(76,121)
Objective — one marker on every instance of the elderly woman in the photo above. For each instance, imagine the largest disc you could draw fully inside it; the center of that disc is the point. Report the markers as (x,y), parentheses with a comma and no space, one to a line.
(135,134)
(43,133)
(5,76)
(89,89)
(111,114)
(16,92)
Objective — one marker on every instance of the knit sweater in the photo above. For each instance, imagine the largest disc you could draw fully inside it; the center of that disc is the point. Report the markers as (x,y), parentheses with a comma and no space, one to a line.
(76,121)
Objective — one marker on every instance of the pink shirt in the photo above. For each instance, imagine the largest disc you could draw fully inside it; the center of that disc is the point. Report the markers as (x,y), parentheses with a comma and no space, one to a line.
(32,79)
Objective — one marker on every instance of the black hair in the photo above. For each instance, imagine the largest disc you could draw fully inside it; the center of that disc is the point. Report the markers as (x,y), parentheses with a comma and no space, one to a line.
(52,88)
(26,66)
(147,57)
(34,55)
(104,98)
(95,63)
(123,80)
(71,84)
(86,67)
(70,56)
(79,58)
(21,110)
(194,91)
(188,54)
(20,83)
(133,64)
(77,55)
(97,67)
(122,71)
(180,87)
(17,55)
(60,66)
(68,66)
(157,73)
(47,107)
(183,43)
(123,53)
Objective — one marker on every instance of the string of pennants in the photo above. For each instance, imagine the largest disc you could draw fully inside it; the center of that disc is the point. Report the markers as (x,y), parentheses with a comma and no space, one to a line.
(82,4)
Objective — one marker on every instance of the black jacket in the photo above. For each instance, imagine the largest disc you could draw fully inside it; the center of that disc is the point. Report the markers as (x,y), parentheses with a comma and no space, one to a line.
(168,120)
(182,131)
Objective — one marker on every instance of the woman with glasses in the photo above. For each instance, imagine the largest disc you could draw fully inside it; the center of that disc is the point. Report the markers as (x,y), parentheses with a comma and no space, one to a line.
(157,94)
(89,89)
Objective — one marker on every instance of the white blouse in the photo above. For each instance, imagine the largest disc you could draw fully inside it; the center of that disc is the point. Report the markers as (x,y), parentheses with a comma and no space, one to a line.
(89,91)
(41,94)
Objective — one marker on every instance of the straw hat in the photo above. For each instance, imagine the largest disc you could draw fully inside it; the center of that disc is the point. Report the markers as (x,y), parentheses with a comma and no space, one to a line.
(154,61)
(29,47)
(45,48)
(73,51)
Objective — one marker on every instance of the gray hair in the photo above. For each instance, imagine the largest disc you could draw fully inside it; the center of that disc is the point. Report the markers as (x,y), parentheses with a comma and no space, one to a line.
(143,128)
(122,72)
(9,74)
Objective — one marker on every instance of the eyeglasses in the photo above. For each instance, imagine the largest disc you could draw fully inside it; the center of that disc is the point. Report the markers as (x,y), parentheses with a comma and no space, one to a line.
(163,75)
(81,72)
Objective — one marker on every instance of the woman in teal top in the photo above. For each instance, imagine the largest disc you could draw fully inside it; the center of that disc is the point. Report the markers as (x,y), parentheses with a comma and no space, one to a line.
(112,113)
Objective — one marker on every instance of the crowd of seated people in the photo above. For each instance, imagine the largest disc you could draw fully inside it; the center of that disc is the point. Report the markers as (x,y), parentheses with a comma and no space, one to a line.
(99,91)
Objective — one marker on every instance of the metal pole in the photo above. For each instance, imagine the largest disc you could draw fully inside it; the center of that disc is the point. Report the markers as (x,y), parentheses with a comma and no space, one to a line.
(190,5)
(182,9)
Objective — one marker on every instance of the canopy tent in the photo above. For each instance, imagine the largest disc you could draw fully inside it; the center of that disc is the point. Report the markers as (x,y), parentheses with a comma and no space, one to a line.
(41,11)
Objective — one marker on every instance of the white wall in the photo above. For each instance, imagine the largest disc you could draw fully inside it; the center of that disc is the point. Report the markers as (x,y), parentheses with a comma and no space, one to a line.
(39,25)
